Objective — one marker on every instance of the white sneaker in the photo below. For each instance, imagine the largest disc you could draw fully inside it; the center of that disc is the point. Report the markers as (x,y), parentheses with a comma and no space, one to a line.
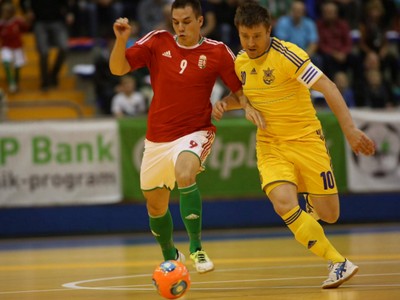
(310,208)
(12,88)
(201,261)
(180,257)
(339,273)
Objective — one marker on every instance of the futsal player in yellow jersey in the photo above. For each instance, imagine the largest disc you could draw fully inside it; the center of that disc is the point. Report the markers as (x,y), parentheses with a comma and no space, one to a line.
(291,154)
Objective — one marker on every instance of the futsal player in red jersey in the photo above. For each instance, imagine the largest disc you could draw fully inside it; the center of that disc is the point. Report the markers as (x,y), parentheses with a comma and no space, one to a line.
(11,46)
(183,70)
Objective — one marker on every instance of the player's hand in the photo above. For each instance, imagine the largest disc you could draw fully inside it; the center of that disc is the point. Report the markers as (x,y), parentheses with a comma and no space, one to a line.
(122,28)
(361,143)
(218,109)
(254,116)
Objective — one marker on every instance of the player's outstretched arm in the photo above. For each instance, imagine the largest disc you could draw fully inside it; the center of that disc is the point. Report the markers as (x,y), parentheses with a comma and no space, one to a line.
(227,103)
(118,63)
(358,140)
(238,101)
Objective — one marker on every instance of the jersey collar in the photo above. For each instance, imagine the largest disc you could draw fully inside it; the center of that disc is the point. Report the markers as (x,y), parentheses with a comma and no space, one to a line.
(201,40)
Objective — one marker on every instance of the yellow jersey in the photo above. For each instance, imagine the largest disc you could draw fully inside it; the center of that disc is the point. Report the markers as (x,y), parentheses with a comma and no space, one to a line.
(277,84)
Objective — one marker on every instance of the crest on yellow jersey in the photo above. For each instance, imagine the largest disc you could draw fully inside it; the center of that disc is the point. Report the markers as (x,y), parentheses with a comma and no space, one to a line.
(268,76)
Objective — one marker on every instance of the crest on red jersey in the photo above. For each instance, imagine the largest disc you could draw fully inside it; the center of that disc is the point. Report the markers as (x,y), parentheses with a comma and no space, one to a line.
(202,61)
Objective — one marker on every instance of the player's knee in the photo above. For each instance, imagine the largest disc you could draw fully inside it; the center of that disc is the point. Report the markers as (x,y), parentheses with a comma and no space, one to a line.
(282,208)
(154,209)
(185,178)
(329,217)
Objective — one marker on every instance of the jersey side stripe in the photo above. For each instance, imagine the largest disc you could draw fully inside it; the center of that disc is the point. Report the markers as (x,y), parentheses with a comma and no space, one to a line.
(207,146)
(214,42)
(288,54)
(211,41)
(285,50)
(230,52)
(149,35)
(296,63)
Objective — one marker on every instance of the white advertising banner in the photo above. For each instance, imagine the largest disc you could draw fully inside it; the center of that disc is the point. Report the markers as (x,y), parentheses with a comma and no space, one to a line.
(59,163)
(380,172)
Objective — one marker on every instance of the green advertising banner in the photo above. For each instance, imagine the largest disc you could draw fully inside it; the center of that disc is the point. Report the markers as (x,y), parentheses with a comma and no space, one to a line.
(132,133)
(231,169)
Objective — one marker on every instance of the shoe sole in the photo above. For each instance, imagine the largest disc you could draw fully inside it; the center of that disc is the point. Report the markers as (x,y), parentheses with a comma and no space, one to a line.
(205,271)
(340,282)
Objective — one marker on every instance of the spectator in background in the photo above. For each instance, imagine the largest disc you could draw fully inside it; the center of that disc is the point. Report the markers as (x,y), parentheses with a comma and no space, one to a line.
(94,17)
(105,83)
(277,8)
(373,29)
(372,89)
(210,19)
(50,20)
(298,29)
(104,14)
(335,44)
(130,8)
(134,33)
(225,30)
(12,54)
(375,93)
(150,14)
(342,83)
(349,10)
(390,12)
(128,101)
(166,23)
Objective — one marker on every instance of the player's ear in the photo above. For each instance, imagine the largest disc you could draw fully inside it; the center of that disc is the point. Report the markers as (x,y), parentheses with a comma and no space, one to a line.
(269,29)
(200,20)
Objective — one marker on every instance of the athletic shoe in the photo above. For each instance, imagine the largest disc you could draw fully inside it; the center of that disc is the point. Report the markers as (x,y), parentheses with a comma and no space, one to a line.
(201,261)
(12,88)
(339,273)
(180,257)
(310,208)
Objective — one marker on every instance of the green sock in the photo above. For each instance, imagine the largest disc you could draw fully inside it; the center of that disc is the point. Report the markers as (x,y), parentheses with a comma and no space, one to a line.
(16,75)
(161,228)
(7,69)
(190,206)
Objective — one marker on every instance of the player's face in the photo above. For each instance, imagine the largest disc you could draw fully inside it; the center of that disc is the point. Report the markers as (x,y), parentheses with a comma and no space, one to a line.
(186,26)
(254,40)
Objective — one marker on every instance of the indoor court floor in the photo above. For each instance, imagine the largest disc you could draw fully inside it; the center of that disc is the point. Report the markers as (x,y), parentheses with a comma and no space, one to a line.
(249,264)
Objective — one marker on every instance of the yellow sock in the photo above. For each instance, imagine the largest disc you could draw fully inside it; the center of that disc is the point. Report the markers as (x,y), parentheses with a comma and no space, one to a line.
(308,232)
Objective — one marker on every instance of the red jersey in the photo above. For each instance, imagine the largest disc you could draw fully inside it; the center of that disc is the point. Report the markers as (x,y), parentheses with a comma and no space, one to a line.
(11,32)
(182,79)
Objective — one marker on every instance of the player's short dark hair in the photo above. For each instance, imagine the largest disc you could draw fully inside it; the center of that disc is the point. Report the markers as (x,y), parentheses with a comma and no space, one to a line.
(250,14)
(194,4)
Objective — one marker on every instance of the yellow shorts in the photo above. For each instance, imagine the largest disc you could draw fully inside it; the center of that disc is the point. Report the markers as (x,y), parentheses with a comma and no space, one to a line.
(303,162)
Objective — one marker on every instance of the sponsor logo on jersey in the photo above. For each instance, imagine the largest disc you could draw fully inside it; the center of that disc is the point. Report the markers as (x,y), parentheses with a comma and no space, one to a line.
(167,54)
(253,72)
(202,61)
